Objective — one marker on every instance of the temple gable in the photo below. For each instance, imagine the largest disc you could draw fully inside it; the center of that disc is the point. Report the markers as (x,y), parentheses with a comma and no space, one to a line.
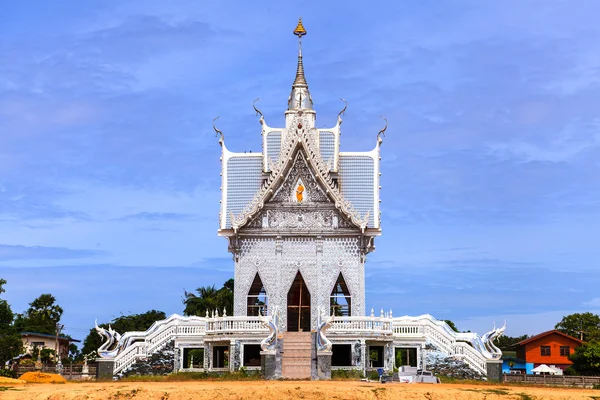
(300,185)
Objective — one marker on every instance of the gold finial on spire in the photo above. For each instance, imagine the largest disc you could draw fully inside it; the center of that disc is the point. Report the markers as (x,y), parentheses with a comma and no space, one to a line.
(299,31)
(300,97)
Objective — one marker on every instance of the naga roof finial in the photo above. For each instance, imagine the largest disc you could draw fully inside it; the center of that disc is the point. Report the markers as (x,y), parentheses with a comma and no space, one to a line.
(382,132)
(218,132)
(262,117)
(343,112)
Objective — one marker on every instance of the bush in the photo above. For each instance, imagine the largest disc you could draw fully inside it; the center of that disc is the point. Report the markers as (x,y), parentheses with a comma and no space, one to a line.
(194,376)
(8,373)
(373,376)
(586,359)
(346,374)
(570,371)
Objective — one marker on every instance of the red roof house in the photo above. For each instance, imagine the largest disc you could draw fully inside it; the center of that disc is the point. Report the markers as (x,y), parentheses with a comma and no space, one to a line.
(550,348)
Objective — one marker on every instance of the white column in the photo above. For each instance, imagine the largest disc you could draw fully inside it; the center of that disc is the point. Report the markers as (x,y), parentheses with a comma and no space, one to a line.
(363,356)
(181,360)
(231,355)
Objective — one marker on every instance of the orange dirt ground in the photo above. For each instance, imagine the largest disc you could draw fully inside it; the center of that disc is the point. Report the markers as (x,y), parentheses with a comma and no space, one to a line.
(10,380)
(277,390)
(41,377)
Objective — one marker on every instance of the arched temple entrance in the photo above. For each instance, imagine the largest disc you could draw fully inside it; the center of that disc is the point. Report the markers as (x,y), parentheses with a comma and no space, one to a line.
(298,306)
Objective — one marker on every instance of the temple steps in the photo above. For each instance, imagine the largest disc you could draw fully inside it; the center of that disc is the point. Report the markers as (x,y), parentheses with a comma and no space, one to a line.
(296,357)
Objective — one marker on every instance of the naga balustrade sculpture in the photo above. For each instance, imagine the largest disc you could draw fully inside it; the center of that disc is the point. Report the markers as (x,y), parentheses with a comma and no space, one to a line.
(323,323)
(272,322)
(485,343)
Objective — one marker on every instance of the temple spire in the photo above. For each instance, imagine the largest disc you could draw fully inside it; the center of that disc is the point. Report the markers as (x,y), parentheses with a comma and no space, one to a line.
(300,97)
(300,31)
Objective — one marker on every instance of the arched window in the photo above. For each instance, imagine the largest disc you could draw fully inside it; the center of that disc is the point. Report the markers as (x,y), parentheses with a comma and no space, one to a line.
(340,302)
(257,298)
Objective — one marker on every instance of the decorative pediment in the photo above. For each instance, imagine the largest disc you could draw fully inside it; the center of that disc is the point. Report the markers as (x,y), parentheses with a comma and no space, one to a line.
(299,173)
(300,185)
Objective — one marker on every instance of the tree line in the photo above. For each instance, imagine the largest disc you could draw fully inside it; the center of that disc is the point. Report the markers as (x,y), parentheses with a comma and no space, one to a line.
(44,315)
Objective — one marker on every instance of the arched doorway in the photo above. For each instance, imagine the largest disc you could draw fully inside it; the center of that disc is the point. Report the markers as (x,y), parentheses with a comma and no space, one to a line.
(298,306)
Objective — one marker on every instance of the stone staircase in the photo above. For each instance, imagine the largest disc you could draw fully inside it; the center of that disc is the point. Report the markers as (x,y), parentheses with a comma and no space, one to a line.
(297,355)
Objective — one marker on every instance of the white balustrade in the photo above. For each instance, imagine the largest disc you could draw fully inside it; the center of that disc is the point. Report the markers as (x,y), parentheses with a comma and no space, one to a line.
(407,330)
(425,327)
(129,356)
(363,325)
(440,336)
(143,344)
(222,325)
(471,357)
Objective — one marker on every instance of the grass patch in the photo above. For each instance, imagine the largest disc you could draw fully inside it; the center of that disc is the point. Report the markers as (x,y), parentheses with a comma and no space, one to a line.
(449,379)
(195,376)
(346,375)
(497,391)
(525,396)
(5,388)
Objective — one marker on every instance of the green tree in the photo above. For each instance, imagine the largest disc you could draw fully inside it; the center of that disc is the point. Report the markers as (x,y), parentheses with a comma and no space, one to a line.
(42,316)
(47,355)
(508,342)
(10,339)
(208,298)
(585,326)
(205,300)
(225,297)
(451,325)
(125,323)
(74,353)
(586,359)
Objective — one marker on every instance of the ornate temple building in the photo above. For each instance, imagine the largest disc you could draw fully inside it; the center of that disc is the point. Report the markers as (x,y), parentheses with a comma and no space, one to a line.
(300,218)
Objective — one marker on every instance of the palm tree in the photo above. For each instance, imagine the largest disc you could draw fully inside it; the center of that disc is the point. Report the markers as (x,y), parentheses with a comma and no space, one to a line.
(44,309)
(208,298)
(42,315)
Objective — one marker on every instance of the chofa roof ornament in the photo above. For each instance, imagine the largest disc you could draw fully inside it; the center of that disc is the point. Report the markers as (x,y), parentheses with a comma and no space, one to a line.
(343,112)
(218,133)
(381,133)
(262,117)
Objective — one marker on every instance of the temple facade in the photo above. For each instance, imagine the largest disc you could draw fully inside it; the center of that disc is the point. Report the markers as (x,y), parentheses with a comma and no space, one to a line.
(300,219)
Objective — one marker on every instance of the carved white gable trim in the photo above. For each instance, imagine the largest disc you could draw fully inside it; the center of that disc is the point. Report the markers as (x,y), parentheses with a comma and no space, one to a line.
(300,176)
(299,138)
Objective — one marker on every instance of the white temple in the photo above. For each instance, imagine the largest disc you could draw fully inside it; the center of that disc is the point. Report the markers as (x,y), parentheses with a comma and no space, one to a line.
(300,219)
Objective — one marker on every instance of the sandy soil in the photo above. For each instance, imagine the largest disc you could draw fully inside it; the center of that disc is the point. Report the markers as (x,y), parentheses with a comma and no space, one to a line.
(281,390)
(11,380)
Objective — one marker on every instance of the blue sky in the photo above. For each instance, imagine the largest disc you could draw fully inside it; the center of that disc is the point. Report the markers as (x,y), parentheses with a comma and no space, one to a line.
(109,169)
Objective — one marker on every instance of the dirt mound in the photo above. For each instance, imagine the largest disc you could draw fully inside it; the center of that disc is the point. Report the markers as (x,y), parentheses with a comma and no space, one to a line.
(11,380)
(41,377)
